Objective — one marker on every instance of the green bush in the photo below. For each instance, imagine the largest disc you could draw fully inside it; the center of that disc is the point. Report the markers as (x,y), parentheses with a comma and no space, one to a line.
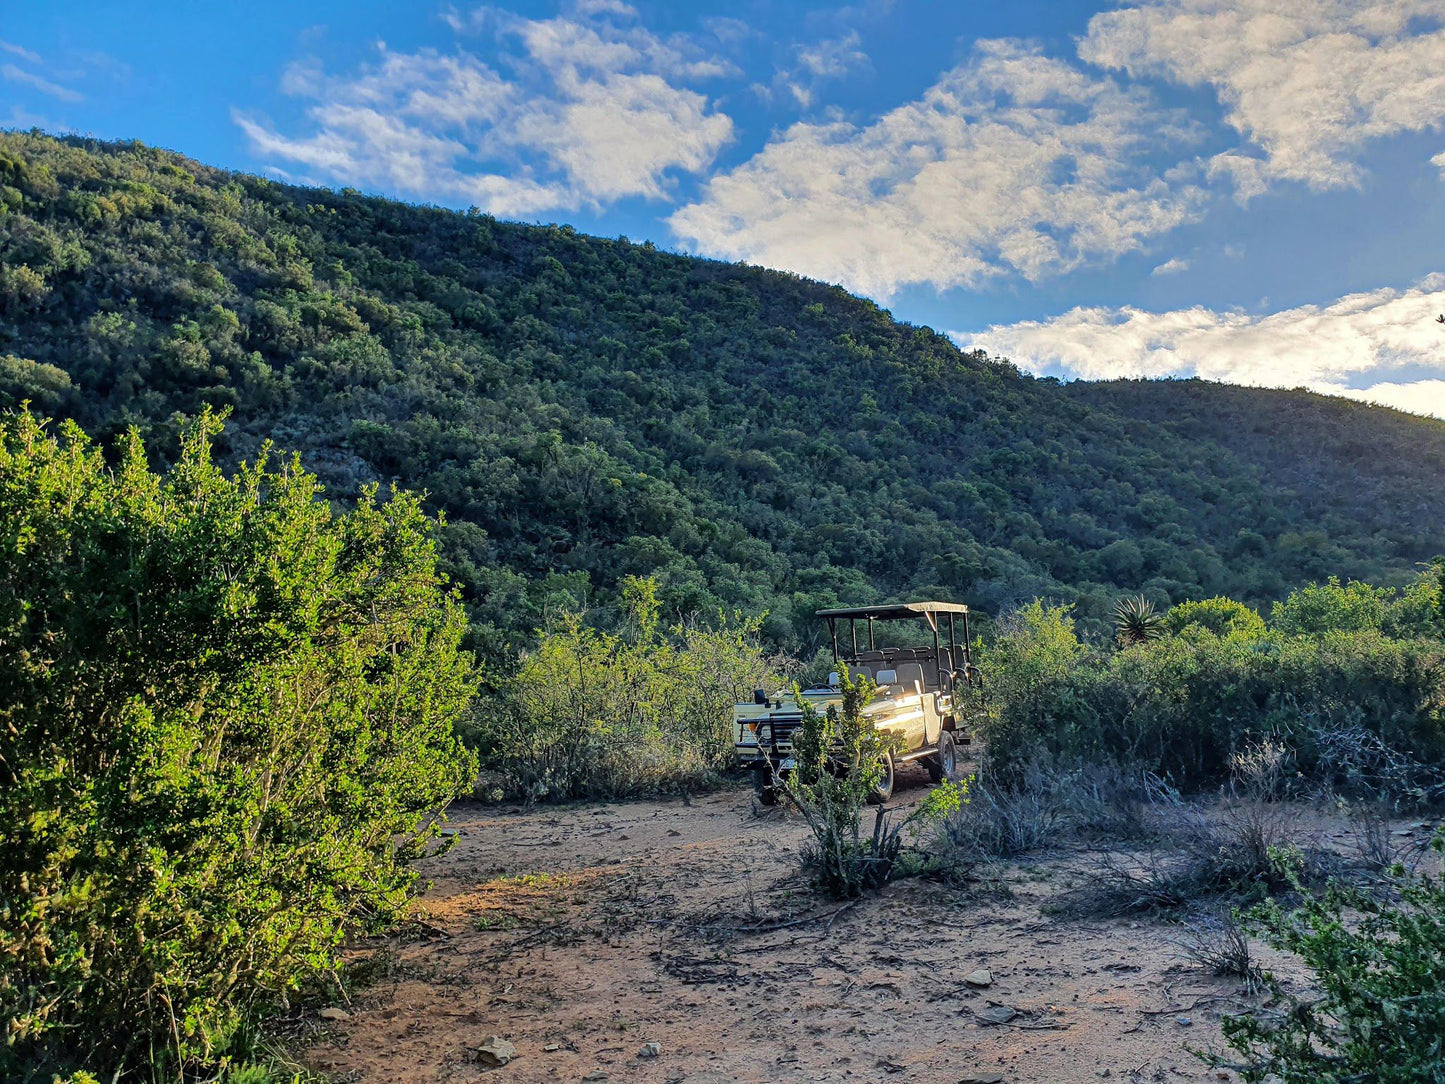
(1180,706)
(1221,617)
(1323,608)
(1378,1010)
(225,728)
(591,713)
(838,763)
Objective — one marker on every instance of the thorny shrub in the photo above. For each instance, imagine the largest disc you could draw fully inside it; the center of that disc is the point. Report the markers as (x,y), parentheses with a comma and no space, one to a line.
(1377,1008)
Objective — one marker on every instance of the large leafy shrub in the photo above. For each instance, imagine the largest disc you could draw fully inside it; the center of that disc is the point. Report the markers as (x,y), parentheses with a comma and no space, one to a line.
(592,713)
(225,727)
(1322,608)
(1216,616)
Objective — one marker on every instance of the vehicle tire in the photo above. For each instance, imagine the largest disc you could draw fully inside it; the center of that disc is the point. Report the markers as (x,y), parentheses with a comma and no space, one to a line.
(934,764)
(944,765)
(764,787)
(884,789)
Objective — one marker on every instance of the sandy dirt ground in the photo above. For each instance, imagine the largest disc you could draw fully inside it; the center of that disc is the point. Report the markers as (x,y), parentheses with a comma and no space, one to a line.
(581,935)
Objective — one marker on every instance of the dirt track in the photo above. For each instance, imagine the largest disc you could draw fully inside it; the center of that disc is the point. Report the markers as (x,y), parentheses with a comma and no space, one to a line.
(580,935)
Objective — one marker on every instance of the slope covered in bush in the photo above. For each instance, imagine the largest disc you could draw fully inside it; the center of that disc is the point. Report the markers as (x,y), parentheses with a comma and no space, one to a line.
(585,409)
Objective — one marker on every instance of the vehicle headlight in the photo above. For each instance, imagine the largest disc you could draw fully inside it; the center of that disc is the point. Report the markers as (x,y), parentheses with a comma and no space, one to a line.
(765,734)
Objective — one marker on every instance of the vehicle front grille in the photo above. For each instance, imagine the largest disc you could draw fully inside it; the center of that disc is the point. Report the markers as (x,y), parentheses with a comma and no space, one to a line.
(782,728)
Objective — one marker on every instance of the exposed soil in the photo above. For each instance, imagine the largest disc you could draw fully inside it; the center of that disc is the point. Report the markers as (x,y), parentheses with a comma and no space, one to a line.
(579,935)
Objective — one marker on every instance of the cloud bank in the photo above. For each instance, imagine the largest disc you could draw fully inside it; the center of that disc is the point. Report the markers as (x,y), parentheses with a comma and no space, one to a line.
(1365,346)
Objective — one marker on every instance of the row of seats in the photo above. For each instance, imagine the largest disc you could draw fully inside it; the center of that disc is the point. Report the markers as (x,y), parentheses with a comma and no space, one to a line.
(905,675)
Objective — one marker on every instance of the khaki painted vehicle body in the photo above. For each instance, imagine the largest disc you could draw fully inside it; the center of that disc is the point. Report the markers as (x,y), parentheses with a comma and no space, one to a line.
(918,703)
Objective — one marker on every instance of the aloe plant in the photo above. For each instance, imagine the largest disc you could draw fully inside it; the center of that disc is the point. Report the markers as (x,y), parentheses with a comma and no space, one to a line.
(1136,621)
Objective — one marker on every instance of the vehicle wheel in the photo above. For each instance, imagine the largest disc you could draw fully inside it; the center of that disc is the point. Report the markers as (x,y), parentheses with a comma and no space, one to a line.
(884,790)
(934,764)
(763,786)
(944,766)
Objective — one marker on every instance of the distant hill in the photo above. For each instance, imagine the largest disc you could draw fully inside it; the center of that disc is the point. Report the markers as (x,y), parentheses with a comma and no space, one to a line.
(583,408)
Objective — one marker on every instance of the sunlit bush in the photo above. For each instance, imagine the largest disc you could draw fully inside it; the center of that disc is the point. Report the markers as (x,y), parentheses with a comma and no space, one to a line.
(597,713)
(225,727)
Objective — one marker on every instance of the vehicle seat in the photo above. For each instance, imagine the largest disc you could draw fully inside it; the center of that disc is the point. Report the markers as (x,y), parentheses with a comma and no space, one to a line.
(910,676)
(887,679)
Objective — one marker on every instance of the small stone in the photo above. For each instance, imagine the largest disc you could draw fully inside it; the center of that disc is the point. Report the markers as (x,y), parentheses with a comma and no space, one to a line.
(982,1078)
(595,1077)
(1221,1074)
(333,1013)
(1106,1072)
(982,977)
(551,1048)
(997,1014)
(496,1051)
(1184,1021)
(650,1050)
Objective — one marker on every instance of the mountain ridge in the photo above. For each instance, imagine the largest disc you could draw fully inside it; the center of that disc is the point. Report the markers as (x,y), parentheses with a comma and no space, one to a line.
(584,408)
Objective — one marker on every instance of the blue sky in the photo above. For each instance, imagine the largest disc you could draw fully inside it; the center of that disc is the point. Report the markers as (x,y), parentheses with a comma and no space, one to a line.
(1251,191)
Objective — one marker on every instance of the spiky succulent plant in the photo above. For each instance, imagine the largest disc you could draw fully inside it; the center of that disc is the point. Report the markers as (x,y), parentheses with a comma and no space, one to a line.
(1136,621)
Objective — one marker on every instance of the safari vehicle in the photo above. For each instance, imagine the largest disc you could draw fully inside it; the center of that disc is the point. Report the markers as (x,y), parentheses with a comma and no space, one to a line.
(917,703)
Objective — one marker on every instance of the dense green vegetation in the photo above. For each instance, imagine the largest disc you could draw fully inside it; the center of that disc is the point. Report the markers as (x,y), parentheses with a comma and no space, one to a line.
(597,714)
(586,409)
(225,729)
(1349,677)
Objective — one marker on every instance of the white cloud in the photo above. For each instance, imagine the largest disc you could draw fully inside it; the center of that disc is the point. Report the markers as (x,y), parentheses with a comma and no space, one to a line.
(589,113)
(19,50)
(818,62)
(14,74)
(833,57)
(1416,397)
(1171,267)
(1308,83)
(1011,162)
(1364,345)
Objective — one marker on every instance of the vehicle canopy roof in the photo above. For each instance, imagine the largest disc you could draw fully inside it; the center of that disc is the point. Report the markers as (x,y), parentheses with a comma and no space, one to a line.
(894,611)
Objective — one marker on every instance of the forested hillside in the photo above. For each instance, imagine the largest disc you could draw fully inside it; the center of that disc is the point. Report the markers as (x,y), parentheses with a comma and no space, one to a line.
(583,408)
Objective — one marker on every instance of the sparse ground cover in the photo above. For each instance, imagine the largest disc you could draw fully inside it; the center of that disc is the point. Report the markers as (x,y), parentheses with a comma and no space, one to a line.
(579,935)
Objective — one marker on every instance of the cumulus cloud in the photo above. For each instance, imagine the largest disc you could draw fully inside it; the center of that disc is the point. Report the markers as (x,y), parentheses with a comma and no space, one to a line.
(589,112)
(1307,84)
(1171,267)
(1366,345)
(1011,162)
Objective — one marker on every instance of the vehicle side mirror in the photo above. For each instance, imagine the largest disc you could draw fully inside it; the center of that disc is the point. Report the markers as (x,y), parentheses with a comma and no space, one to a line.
(760,696)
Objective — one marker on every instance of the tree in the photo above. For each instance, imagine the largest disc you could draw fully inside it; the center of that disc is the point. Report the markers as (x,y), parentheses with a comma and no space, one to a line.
(225,730)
